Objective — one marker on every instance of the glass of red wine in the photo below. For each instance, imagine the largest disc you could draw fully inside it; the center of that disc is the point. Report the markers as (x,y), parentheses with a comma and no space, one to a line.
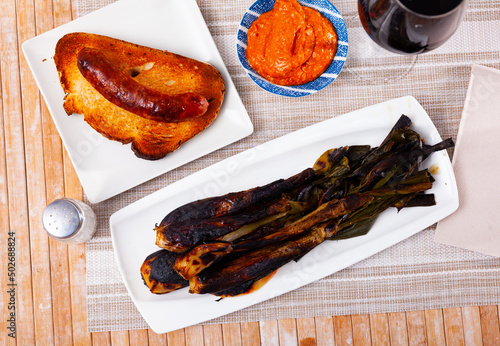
(407,28)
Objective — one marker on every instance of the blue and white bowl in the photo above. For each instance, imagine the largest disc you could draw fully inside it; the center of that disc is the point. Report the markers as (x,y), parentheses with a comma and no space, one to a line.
(327,10)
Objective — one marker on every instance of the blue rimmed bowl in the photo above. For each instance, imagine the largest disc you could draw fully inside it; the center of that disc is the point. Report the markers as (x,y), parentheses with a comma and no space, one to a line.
(327,10)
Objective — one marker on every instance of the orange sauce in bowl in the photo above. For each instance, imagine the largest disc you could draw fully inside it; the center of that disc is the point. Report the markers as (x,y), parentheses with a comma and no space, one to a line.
(291,44)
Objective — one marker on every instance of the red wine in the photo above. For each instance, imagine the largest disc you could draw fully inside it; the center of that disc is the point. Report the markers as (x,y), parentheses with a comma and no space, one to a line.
(411,26)
(431,8)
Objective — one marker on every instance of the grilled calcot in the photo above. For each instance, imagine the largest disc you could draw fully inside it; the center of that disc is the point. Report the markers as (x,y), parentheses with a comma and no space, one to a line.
(230,245)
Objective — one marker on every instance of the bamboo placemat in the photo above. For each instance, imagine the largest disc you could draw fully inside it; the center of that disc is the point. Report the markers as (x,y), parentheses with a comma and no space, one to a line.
(415,274)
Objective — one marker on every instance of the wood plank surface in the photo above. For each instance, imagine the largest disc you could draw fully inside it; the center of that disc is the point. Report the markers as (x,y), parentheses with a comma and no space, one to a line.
(136,337)
(250,333)
(59,291)
(212,335)
(50,291)
(17,200)
(453,326)
(287,332)
(306,331)
(269,334)
(8,252)
(415,321)
(434,327)
(471,321)
(324,331)
(194,335)
(379,325)
(398,330)
(155,339)
(177,337)
(231,334)
(361,330)
(490,325)
(119,337)
(103,339)
(343,330)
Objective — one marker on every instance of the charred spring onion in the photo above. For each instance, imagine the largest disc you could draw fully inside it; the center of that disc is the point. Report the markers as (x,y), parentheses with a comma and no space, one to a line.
(229,244)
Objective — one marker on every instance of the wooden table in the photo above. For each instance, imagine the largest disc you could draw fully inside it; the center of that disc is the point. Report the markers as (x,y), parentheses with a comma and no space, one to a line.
(49,295)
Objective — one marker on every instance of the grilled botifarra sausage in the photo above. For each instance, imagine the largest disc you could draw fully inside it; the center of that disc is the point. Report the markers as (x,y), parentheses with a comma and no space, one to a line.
(125,92)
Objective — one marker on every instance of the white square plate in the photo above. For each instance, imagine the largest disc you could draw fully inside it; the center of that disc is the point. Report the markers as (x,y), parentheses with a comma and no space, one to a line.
(107,168)
(134,239)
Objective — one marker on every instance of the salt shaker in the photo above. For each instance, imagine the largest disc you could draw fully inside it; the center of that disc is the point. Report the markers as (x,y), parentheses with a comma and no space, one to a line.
(69,221)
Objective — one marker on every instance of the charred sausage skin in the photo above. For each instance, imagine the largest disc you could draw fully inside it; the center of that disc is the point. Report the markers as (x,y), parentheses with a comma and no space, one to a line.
(123,91)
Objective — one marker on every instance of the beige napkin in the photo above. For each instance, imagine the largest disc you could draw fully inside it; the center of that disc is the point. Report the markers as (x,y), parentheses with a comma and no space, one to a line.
(476,162)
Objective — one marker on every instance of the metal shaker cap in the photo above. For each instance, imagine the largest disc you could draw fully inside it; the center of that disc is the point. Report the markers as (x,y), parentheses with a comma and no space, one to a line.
(62,218)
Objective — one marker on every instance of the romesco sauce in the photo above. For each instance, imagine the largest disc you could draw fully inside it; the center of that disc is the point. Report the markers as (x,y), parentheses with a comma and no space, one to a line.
(291,44)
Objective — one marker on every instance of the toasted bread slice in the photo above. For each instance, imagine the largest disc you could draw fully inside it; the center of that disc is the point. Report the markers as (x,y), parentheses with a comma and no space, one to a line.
(164,71)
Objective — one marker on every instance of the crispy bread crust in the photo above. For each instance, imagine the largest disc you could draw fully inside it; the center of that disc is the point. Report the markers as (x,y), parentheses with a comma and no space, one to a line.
(170,73)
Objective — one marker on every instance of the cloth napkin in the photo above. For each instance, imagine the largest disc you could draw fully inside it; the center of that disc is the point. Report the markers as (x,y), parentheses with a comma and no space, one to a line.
(476,224)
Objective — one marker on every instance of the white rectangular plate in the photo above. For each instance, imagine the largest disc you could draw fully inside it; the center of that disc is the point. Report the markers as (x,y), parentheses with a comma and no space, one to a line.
(107,168)
(132,227)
